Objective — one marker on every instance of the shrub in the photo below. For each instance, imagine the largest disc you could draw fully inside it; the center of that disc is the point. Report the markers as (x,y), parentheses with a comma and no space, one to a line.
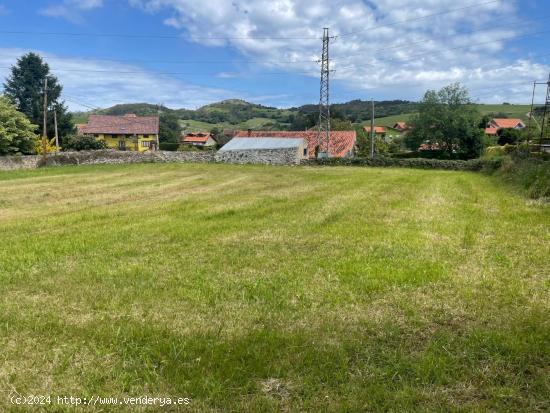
(169,146)
(82,143)
(508,136)
(531,174)
(421,163)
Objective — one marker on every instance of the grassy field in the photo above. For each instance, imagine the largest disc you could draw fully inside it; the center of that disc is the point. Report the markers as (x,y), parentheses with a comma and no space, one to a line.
(257,289)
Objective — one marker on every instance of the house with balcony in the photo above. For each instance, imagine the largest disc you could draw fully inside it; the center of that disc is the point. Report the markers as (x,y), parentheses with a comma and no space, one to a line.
(125,133)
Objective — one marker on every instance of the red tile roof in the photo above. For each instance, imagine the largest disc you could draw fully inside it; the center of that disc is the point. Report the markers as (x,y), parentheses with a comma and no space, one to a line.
(341,142)
(377,129)
(491,131)
(123,125)
(401,126)
(506,123)
(196,137)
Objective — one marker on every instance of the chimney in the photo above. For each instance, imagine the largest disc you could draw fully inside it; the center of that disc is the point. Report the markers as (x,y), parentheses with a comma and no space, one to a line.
(249,133)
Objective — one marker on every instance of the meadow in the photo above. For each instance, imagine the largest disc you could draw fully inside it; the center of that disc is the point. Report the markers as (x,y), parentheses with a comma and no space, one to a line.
(257,289)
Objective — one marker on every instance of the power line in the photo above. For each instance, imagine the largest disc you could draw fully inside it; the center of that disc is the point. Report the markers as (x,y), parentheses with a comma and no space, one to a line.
(400,46)
(107,59)
(133,72)
(413,57)
(152,36)
(418,18)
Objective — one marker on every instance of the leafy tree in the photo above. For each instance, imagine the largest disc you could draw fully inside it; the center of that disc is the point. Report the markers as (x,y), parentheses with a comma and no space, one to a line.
(17,133)
(169,128)
(340,124)
(220,138)
(447,118)
(25,89)
(82,143)
(508,136)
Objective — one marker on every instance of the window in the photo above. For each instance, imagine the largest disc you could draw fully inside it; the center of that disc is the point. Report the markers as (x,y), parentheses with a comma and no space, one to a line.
(305,151)
(122,145)
(146,144)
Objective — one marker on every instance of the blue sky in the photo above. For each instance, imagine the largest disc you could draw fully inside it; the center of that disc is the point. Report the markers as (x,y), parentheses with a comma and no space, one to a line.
(187,53)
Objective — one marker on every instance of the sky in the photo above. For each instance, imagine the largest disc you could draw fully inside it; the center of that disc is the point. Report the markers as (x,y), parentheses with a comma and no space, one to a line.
(188,53)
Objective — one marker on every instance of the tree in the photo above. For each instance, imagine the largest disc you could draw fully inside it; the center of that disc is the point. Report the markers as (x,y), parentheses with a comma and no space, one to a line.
(169,128)
(508,136)
(447,120)
(218,135)
(25,89)
(17,133)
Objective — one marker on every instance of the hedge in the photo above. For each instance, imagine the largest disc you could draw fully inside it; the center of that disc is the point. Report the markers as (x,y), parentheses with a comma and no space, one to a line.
(420,163)
(168,146)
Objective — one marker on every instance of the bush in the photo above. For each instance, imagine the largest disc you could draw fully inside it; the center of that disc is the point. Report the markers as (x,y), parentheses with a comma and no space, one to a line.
(529,173)
(82,143)
(169,146)
(421,163)
(508,136)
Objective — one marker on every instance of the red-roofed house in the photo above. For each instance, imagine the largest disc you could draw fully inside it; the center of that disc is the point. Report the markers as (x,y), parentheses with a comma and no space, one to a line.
(378,131)
(342,143)
(491,131)
(198,139)
(128,132)
(401,126)
(506,124)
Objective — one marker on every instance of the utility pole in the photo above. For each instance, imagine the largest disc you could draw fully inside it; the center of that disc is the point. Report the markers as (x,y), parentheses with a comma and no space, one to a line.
(159,112)
(45,122)
(56,134)
(372,129)
(323,135)
(530,131)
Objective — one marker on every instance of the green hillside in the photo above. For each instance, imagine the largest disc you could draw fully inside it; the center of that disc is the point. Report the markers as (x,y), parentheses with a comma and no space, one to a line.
(239,114)
(509,111)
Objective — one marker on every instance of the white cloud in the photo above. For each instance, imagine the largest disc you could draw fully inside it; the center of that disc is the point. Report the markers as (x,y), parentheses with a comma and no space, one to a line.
(71,10)
(379,56)
(86,82)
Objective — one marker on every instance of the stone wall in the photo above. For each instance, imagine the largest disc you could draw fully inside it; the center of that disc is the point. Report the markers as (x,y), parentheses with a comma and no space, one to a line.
(10,163)
(102,157)
(282,156)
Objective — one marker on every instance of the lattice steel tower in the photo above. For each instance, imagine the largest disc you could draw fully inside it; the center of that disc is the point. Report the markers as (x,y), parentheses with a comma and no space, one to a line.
(545,123)
(323,135)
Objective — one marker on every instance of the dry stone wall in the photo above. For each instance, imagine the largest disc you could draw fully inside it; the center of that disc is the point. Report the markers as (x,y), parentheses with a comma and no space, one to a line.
(282,156)
(101,157)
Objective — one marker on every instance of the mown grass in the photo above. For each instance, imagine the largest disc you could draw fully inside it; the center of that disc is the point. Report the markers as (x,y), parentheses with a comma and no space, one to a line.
(251,288)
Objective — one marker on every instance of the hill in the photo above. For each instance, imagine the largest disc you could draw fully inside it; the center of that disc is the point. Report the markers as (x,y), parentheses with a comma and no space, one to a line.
(239,114)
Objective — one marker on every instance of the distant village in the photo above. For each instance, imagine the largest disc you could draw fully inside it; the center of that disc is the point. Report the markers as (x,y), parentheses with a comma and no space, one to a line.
(141,133)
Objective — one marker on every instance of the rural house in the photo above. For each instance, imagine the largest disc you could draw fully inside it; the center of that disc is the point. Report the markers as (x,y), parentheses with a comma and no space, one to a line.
(125,133)
(379,131)
(498,124)
(341,145)
(401,126)
(201,139)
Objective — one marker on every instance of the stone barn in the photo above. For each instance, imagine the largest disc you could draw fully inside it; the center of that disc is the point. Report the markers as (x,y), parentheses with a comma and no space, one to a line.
(264,150)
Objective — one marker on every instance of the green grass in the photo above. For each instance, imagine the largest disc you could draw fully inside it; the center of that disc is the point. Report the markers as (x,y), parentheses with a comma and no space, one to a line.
(257,289)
